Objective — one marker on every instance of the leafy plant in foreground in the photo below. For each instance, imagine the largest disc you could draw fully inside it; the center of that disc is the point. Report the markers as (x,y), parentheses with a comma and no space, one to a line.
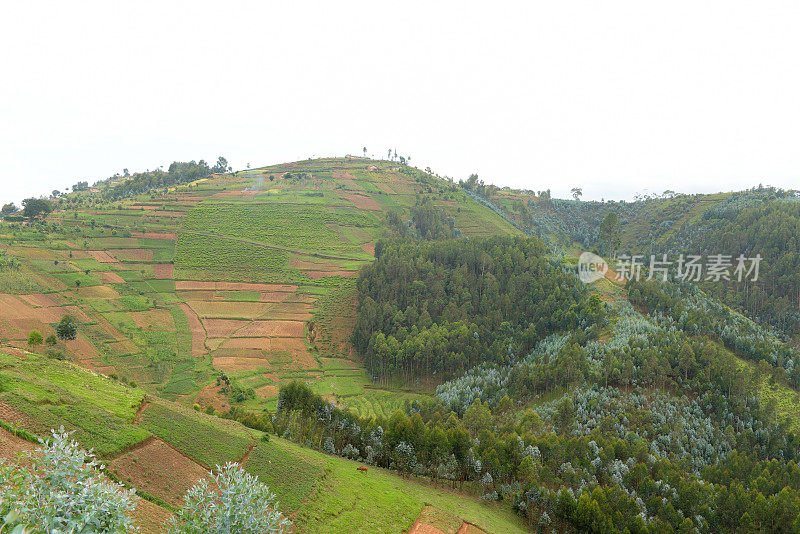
(236,502)
(62,491)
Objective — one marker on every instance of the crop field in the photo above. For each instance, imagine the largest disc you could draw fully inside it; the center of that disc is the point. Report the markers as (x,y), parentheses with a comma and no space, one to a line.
(250,274)
(207,443)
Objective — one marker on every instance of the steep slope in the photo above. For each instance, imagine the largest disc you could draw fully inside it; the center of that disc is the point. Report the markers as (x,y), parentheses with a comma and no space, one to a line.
(161,448)
(250,275)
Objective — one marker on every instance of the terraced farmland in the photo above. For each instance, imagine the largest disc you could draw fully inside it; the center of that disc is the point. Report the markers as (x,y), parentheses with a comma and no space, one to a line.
(248,274)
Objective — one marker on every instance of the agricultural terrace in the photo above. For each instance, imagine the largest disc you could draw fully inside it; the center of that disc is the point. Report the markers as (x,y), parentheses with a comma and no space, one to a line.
(218,291)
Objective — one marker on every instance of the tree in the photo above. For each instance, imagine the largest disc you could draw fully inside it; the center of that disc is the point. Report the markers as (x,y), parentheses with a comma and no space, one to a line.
(577,192)
(610,233)
(51,340)
(35,338)
(61,490)
(8,209)
(221,166)
(33,207)
(67,328)
(234,501)
(365,151)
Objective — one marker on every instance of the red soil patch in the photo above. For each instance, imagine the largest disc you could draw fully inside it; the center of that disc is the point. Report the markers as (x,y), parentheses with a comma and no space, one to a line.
(223,327)
(385,188)
(362,202)
(272,329)
(167,236)
(143,207)
(314,265)
(111,278)
(271,344)
(226,310)
(137,254)
(190,285)
(164,270)
(213,396)
(369,248)
(196,295)
(102,256)
(198,332)
(14,309)
(9,414)
(39,300)
(158,469)
(149,517)
(245,362)
(11,446)
(338,175)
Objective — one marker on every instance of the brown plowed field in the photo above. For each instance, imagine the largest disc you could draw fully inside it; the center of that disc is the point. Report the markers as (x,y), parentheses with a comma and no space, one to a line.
(158,469)
(164,270)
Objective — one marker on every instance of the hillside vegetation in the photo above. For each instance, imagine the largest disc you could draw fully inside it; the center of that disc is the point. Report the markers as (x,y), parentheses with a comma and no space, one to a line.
(385,348)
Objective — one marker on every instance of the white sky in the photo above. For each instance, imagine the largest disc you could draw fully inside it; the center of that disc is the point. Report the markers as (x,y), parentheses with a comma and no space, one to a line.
(615,97)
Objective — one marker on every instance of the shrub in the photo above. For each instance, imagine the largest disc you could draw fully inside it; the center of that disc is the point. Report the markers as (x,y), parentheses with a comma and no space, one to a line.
(62,491)
(67,328)
(235,501)
(35,338)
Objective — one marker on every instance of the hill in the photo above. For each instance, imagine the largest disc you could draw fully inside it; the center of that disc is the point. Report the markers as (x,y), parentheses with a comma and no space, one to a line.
(433,331)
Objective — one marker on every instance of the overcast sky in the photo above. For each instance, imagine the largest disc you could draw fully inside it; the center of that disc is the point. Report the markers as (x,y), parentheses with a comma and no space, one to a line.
(614,97)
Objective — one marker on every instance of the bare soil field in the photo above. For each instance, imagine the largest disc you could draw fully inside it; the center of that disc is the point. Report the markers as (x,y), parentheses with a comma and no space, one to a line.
(149,517)
(362,202)
(111,278)
(223,327)
(198,332)
(164,270)
(11,446)
(244,361)
(158,469)
(102,256)
(135,254)
(230,310)
(39,300)
(272,329)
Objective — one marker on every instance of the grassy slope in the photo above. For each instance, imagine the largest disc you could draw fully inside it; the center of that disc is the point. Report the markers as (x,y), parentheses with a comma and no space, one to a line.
(323,493)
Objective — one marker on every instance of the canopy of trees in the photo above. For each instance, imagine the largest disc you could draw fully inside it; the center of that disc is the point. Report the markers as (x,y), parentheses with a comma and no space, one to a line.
(444,306)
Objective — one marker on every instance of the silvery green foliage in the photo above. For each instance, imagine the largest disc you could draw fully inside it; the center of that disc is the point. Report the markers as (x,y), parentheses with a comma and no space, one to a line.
(63,491)
(488,382)
(234,503)
(349,451)
(676,427)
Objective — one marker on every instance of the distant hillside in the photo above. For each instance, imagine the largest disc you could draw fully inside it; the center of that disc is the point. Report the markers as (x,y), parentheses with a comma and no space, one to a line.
(763,221)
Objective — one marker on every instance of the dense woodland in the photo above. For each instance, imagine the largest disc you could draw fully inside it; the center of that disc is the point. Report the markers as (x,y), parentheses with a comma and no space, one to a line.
(428,308)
